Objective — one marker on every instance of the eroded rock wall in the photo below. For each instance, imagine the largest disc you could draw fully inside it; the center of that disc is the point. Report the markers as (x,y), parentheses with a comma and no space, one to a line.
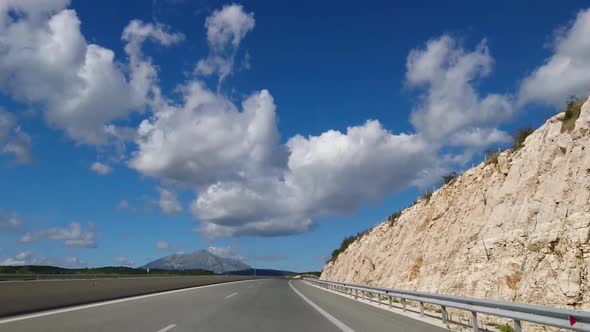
(513,230)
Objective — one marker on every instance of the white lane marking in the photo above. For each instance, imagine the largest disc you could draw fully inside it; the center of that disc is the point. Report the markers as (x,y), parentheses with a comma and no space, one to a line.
(250,286)
(167,328)
(230,295)
(98,304)
(343,327)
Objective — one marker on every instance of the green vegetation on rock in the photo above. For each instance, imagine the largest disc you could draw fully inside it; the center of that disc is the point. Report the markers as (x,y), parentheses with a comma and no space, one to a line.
(572,113)
(344,244)
(520,137)
(505,328)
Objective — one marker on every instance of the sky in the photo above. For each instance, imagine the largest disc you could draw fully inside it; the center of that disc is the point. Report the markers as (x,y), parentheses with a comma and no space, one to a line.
(260,130)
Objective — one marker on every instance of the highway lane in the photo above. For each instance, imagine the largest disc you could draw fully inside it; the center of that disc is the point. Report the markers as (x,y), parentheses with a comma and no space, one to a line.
(21,297)
(257,305)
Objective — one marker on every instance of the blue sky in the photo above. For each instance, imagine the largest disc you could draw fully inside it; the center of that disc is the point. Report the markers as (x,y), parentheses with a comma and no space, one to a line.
(242,127)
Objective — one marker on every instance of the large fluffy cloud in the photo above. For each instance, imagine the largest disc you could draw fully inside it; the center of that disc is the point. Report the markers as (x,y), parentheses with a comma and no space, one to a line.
(450,103)
(207,139)
(44,59)
(565,73)
(333,173)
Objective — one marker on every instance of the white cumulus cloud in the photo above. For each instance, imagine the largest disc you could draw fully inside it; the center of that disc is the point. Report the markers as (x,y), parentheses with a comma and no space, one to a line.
(72,236)
(450,103)
(565,72)
(226,252)
(22,258)
(100,168)
(225,30)
(207,139)
(168,202)
(47,61)
(123,261)
(13,140)
(330,174)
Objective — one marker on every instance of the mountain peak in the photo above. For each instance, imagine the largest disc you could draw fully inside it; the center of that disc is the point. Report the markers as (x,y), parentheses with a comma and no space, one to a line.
(200,259)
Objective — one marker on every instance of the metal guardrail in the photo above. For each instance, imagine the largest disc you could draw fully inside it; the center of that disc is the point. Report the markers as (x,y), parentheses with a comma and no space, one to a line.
(562,318)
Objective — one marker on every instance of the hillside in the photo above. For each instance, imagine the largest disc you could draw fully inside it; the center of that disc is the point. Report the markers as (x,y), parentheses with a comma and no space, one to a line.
(43,269)
(202,259)
(513,228)
(261,272)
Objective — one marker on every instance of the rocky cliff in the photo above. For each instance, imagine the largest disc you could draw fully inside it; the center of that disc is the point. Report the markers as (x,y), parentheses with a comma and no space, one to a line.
(513,228)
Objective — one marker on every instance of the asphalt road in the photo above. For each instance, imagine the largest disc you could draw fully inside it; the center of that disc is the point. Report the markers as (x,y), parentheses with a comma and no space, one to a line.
(21,297)
(256,305)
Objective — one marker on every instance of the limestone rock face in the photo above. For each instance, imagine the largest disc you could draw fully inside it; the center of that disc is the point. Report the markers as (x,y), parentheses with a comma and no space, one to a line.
(515,230)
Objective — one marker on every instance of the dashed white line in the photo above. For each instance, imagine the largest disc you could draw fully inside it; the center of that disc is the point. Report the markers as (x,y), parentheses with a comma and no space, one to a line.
(167,328)
(230,295)
(250,286)
(343,327)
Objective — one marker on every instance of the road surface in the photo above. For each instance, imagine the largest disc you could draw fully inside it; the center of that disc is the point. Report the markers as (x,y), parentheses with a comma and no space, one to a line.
(256,305)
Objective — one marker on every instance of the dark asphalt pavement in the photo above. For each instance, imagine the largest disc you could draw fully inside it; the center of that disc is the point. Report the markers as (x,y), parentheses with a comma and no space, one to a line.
(257,305)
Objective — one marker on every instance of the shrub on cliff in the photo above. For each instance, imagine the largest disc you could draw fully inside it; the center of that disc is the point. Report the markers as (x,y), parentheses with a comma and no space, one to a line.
(427,196)
(449,177)
(491,156)
(520,137)
(393,218)
(572,113)
(345,243)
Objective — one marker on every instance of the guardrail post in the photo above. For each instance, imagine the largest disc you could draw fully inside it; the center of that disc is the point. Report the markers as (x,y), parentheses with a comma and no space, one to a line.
(390,300)
(517,326)
(421,308)
(445,316)
(404,304)
(474,321)
(356,294)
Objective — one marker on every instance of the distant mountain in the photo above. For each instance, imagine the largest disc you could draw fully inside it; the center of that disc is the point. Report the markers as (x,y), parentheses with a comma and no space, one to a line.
(261,272)
(106,270)
(201,259)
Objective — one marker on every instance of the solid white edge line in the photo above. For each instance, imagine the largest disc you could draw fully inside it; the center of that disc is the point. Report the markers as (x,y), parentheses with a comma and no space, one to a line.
(98,304)
(230,295)
(343,327)
(167,328)
(395,310)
